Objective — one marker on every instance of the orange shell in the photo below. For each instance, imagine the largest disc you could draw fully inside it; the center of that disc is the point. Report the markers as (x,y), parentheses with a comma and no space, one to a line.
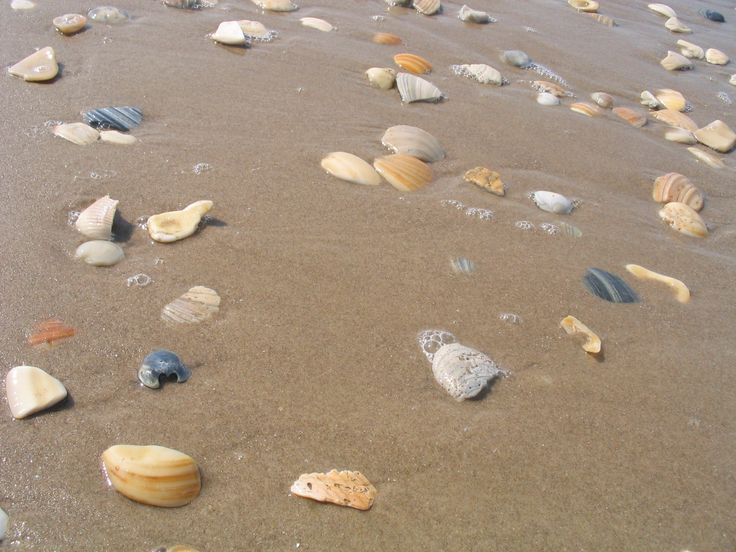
(413,63)
(386,38)
(49,331)
(631,116)
(403,172)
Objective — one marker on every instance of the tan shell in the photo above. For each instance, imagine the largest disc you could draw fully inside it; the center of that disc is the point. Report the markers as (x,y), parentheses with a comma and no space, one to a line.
(176,225)
(76,133)
(550,87)
(115,137)
(682,293)
(589,6)
(39,66)
(95,222)
(716,57)
(381,77)
(316,23)
(196,305)
(487,179)
(30,390)
(413,63)
(706,157)
(602,99)
(153,475)
(684,219)
(680,135)
(427,7)
(346,488)
(676,62)
(662,9)
(276,5)
(631,116)
(717,135)
(416,89)
(403,172)
(648,99)
(677,26)
(386,38)
(413,141)
(676,187)
(573,326)
(585,108)
(350,168)
(671,99)
(69,23)
(481,72)
(675,119)
(690,50)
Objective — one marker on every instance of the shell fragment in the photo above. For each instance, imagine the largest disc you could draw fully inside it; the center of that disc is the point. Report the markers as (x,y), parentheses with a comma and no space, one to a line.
(346,488)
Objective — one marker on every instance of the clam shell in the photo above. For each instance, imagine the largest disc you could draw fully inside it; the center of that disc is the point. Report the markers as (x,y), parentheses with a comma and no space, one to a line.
(381,77)
(318,24)
(708,158)
(427,7)
(487,179)
(77,133)
(107,14)
(573,326)
(413,141)
(680,135)
(682,293)
(351,168)
(631,116)
(675,119)
(153,475)
(585,108)
(662,9)
(552,202)
(677,26)
(196,305)
(470,15)
(676,187)
(230,33)
(671,99)
(116,118)
(39,66)
(413,63)
(95,222)
(276,5)
(49,331)
(345,488)
(608,286)
(386,38)
(602,99)
(484,74)
(416,89)
(30,390)
(676,62)
(462,371)
(403,172)
(589,6)
(712,15)
(690,50)
(100,253)
(545,98)
(716,57)
(116,137)
(69,23)
(717,135)
(550,87)
(21,5)
(732,80)
(176,225)
(160,364)
(602,19)
(684,219)
(516,58)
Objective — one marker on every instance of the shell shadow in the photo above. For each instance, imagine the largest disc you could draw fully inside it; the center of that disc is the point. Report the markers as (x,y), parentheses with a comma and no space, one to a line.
(121,228)
(212,221)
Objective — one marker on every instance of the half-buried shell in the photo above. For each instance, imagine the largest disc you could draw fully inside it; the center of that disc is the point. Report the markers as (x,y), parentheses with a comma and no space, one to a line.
(690,50)
(117,118)
(117,137)
(552,202)
(585,108)
(345,488)
(413,63)
(318,24)
(469,15)
(676,62)
(413,141)
(662,9)
(39,66)
(196,305)
(69,23)
(608,286)
(484,74)
(463,371)
(602,99)
(680,135)
(682,293)
(49,331)
(684,219)
(516,58)
(276,5)
(230,33)
(403,172)
(95,222)
(416,89)
(676,187)
(573,326)
(176,225)
(350,168)
(706,157)
(100,253)
(677,26)
(633,117)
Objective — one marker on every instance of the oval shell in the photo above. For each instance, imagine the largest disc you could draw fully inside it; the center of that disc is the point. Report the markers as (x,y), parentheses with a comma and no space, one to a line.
(230,33)
(631,116)
(516,58)
(684,219)
(585,108)
(381,77)
(416,89)
(602,99)
(671,99)
(545,98)
(107,14)
(196,305)
(706,157)
(552,202)
(550,87)
(608,286)
(386,38)
(680,135)
(676,62)
(675,119)
(316,23)
(403,172)
(76,133)
(717,135)
(427,7)
(30,390)
(95,222)
(350,168)
(462,371)
(678,188)
(413,141)
(345,488)
(413,63)
(682,293)
(117,118)
(100,253)
(69,23)
(589,6)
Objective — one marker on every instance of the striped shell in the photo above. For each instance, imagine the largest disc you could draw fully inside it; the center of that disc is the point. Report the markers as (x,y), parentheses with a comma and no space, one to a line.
(589,6)
(684,219)
(95,222)
(427,7)
(676,62)
(386,38)
(550,87)
(49,331)
(676,187)
(413,63)
(675,119)
(115,118)
(416,89)
(631,116)
(350,168)
(413,141)
(403,172)
(585,108)
(602,19)
(608,286)
(195,306)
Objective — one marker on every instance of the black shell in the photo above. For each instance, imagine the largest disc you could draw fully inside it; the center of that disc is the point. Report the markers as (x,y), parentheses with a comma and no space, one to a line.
(609,286)
(712,15)
(117,118)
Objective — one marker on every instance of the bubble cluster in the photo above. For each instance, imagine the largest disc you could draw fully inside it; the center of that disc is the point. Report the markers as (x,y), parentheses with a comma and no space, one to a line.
(431,340)
(549,228)
(142,222)
(524,225)
(510,317)
(199,168)
(547,73)
(139,280)
(479,213)
(725,98)
(453,203)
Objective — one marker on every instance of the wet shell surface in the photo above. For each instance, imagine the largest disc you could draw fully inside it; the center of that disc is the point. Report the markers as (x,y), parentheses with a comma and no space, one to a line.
(77,133)
(712,15)
(552,202)
(589,6)
(717,135)
(487,179)
(116,118)
(608,286)
(690,50)
(413,63)
(416,89)
(49,331)
(403,172)
(462,371)
(30,390)
(153,475)
(684,219)
(602,99)
(469,15)
(318,24)
(732,80)
(69,23)
(117,137)
(662,9)
(545,98)
(573,326)
(345,488)
(3,523)
(680,135)
(229,33)
(682,293)
(671,99)
(585,108)
(484,74)
(107,14)
(386,38)
(632,116)
(716,57)
(676,62)
(276,5)
(676,26)
(95,222)
(350,168)
(413,141)
(196,305)
(39,66)
(706,157)
(100,253)
(162,364)
(176,225)
(516,58)
(381,77)
(427,7)
(675,119)
(550,87)
(678,188)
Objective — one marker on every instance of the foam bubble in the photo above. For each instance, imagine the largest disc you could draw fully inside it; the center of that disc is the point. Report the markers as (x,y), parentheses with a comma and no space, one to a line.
(431,340)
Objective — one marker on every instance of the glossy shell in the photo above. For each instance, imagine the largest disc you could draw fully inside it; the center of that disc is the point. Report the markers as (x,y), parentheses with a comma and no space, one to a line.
(462,371)
(403,172)
(416,89)
(39,66)
(386,38)
(95,222)
(516,58)
(196,305)
(160,364)
(100,253)
(413,141)
(107,14)
(552,202)
(684,219)
(413,63)
(682,293)
(671,99)
(381,77)
(706,157)
(69,23)
(678,188)
(547,99)
(345,488)
(350,168)
(608,286)
(30,390)
(585,108)
(116,118)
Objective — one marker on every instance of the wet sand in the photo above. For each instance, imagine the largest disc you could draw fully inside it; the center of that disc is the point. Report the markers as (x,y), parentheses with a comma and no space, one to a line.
(312,362)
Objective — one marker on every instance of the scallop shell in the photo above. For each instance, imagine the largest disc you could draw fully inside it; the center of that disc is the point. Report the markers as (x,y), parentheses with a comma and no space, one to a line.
(386,38)
(682,293)
(470,15)
(162,364)
(487,179)
(675,119)
(152,475)
(484,74)
(100,253)
(680,135)
(345,488)
(196,305)
(462,371)
(413,63)
(589,6)
(717,135)
(676,62)
(677,26)
(116,118)
(30,390)
(545,98)
(413,141)
(403,172)
(48,331)
(585,108)
(276,5)
(716,57)
(684,219)
(708,158)
(608,286)
(351,168)
(381,77)
(671,99)
(318,24)
(95,222)
(176,225)
(690,50)
(427,7)
(516,58)
(631,116)
(69,23)
(676,187)
(602,99)
(573,326)
(662,9)
(552,202)
(551,88)
(76,133)
(39,66)
(230,33)
(416,89)
(107,14)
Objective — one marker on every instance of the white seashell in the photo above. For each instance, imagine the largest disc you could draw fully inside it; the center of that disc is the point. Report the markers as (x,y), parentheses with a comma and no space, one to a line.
(276,5)
(690,50)
(706,157)
(416,89)
(662,9)
(30,390)
(484,74)
(39,66)
(676,62)
(716,57)
(100,253)
(545,98)
(3,524)
(177,225)
(602,99)
(462,371)
(381,77)
(196,305)
(315,23)
(117,137)
(350,168)
(648,99)
(681,136)
(552,202)
(470,15)
(95,222)
(677,26)
(413,141)
(22,5)
(77,133)
(230,33)
(717,135)
(427,7)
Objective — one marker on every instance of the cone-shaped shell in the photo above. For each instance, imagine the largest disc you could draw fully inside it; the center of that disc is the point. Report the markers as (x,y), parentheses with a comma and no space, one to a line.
(176,225)
(95,222)
(671,99)
(351,168)
(484,74)
(230,33)
(427,7)
(153,475)
(680,135)
(381,77)
(30,390)
(403,172)
(682,293)
(69,23)
(49,331)
(413,63)
(708,158)
(276,5)
(602,99)
(470,15)
(573,326)
(552,202)
(462,371)
(413,141)
(318,24)
(608,286)
(631,116)
(585,108)
(386,38)
(416,89)
(690,50)
(677,26)
(100,253)
(684,219)
(589,6)
(196,305)
(346,488)
(717,136)
(662,9)
(675,119)
(716,57)
(487,179)
(676,62)
(39,66)
(676,187)
(77,133)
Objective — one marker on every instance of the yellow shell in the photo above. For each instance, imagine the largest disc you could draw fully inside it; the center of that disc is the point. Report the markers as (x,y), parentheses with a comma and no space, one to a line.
(550,87)
(403,172)
(631,116)
(716,57)
(675,119)
(682,293)
(413,63)
(573,326)
(585,108)
(717,135)
(386,38)
(589,6)
(671,99)
(684,219)
(676,187)
(346,488)
(485,178)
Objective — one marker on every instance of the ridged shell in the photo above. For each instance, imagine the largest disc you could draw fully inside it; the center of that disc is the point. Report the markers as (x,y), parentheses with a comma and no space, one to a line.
(276,5)
(675,119)
(676,62)
(30,390)
(230,33)
(484,74)
(684,219)
(589,6)
(413,141)
(470,15)
(706,157)
(608,286)
(153,475)
(39,66)
(573,326)
(462,371)
(602,99)
(671,99)
(196,305)
(95,222)
(662,9)
(676,187)
(552,202)
(69,23)
(403,172)
(690,50)
(716,57)
(386,38)
(682,293)
(350,168)
(427,7)
(676,26)
(381,77)
(318,24)
(100,253)
(585,108)
(416,89)
(117,118)
(77,133)
(413,63)
(176,225)
(631,116)
(48,331)
(345,488)
(717,135)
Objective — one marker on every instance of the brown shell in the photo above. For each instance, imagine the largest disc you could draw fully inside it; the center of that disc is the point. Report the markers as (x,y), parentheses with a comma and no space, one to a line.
(675,119)
(676,187)
(413,63)
(551,87)
(386,38)
(49,331)
(403,172)
(585,108)
(631,116)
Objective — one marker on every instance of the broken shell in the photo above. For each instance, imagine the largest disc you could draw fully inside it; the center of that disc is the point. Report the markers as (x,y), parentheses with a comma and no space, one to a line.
(416,89)
(413,63)
(381,77)
(648,99)
(196,305)
(717,135)
(487,179)
(676,187)
(427,7)
(30,390)
(276,5)
(589,6)
(545,98)
(602,99)
(107,14)
(681,136)
(631,116)
(732,80)
(176,225)
(403,172)
(662,9)
(413,141)
(39,66)
(706,157)
(386,38)
(318,24)
(48,331)
(159,364)
(676,62)
(682,293)
(189,4)
(77,133)
(470,15)
(152,475)
(95,222)
(462,371)
(716,57)
(69,23)
(684,219)
(585,108)
(346,488)
(255,30)
(573,326)
(100,253)
(690,50)
(552,202)
(675,119)
(608,286)
(117,137)
(677,26)
(230,33)
(484,74)
(712,15)
(516,58)
(116,118)
(671,99)
(550,87)
(351,168)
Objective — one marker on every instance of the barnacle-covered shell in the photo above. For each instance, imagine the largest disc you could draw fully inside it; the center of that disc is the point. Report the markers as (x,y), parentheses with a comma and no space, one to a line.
(95,222)
(487,179)
(462,371)
(684,219)
(427,7)
(690,50)
(413,63)
(350,168)
(682,293)
(386,38)
(631,116)
(176,225)
(196,305)
(470,15)
(676,62)
(403,172)
(346,488)
(160,364)
(717,135)
(552,202)
(676,187)
(76,133)
(230,33)
(49,331)
(662,9)
(590,6)
(416,89)
(69,23)
(276,5)
(100,253)
(152,474)
(677,26)
(381,77)
(39,66)
(608,286)
(484,74)
(716,57)
(117,118)
(671,99)
(413,141)
(318,24)
(30,390)
(602,99)
(573,326)
(585,108)
(675,119)
(706,157)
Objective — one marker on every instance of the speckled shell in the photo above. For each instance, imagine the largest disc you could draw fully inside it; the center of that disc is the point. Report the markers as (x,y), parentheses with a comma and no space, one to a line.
(585,108)
(403,172)
(95,222)
(196,305)
(350,168)
(631,116)
(676,187)
(716,57)
(675,119)
(589,6)
(416,89)
(462,371)
(413,141)
(427,7)
(386,38)
(413,63)
(684,219)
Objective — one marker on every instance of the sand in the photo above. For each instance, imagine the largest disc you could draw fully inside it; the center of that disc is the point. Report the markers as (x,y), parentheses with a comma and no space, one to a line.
(312,362)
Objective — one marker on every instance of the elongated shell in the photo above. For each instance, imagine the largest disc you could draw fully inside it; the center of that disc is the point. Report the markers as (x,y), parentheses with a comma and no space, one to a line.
(403,172)
(39,66)
(49,331)
(413,63)
(413,141)
(95,222)
(196,305)
(609,287)
(350,168)
(676,187)
(677,26)
(551,202)
(386,38)
(69,23)
(427,7)
(684,219)
(381,77)
(680,135)
(76,133)
(117,137)
(675,119)
(633,117)
(30,390)
(516,58)
(416,89)
(573,326)
(462,371)
(585,108)
(176,225)
(484,74)
(690,50)
(117,118)
(318,24)
(662,9)
(469,15)
(276,5)
(589,6)
(345,488)
(676,62)
(152,474)
(682,293)
(706,157)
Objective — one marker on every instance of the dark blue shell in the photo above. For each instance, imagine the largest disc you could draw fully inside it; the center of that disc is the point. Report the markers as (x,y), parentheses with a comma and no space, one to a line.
(609,286)
(712,15)
(162,363)
(116,118)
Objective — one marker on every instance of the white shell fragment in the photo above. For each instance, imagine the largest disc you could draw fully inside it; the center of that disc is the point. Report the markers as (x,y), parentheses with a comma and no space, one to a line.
(176,225)
(682,293)
(416,89)
(230,33)
(77,133)
(31,390)
(462,371)
(716,57)
(662,9)
(196,305)
(117,137)
(470,15)
(100,253)
(381,77)
(3,524)
(20,5)
(413,141)
(552,202)
(95,222)
(39,66)
(316,23)
(681,136)
(350,168)
(484,74)
(276,5)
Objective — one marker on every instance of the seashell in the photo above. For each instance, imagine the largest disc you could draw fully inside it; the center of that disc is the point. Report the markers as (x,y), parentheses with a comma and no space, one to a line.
(602,99)
(716,57)
(717,135)
(682,293)
(690,50)
(573,326)
(487,179)
(48,331)
(100,253)
(631,116)
(430,341)
(676,187)
(545,98)
(413,63)
(196,305)
(351,168)
(676,62)
(585,108)
(413,141)
(680,135)
(30,390)
(403,172)
(316,23)
(400,3)
(39,66)
(175,548)
(608,286)
(276,5)
(386,38)
(732,80)
(516,58)
(552,202)
(188,4)
(602,19)
(684,219)
(427,7)
(416,89)
(381,77)
(116,137)
(116,118)
(95,222)
(570,230)
(462,371)
(107,14)
(712,15)
(469,15)
(77,133)
(551,88)
(153,475)
(462,265)
(345,488)
(675,119)
(484,74)
(708,158)
(3,523)
(162,363)
(662,9)
(589,6)
(671,99)
(230,33)
(648,99)
(69,23)
(255,30)
(21,5)
(176,225)
(677,26)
